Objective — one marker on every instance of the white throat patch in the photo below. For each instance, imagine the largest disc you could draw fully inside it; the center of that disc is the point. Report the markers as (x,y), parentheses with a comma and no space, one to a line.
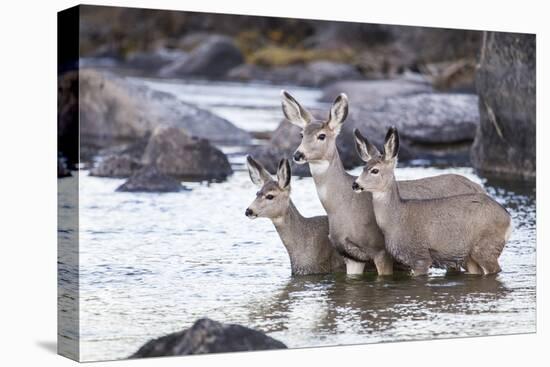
(318,167)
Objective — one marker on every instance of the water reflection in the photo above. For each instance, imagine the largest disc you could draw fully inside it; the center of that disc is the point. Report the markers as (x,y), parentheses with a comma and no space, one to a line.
(374,304)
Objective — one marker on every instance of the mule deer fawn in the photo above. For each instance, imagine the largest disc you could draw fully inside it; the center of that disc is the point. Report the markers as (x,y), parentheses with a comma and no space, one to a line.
(305,239)
(352,226)
(467,230)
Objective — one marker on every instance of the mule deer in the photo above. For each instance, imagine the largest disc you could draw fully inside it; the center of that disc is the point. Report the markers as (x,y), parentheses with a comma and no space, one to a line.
(305,239)
(352,226)
(468,230)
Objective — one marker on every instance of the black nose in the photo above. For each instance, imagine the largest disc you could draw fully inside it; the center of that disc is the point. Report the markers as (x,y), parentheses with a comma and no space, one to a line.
(298,156)
(355,186)
(248,212)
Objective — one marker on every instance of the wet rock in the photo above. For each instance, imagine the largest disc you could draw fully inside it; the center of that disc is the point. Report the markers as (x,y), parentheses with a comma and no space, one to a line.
(313,74)
(208,336)
(213,58)
(505,144)
(67,117)
(432,118)
(153,61)
(150,179)
(364,93)
(114,109)
(121,166)
(177,154)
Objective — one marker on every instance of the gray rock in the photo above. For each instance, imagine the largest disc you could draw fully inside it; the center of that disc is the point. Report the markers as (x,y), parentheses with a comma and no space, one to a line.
(432,118)
(213,58)
(153,61)
(116,166)
(314,74)
(114,109)
(150,179)
(67,117)
(364,93)
(505,144)
(208,336)
(179,155)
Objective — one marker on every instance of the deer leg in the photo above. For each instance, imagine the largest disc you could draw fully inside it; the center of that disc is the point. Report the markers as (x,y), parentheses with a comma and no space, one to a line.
(384,263)
(486,254)
(472,267)
(421,267)
(354,267)
(490,266)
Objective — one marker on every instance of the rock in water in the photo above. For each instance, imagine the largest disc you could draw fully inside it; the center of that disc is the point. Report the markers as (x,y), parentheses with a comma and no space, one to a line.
(114,108)
(212,59)
(150,179)
(364,93)
(208,336)
(178,155)
(505,142)
(433,118)
(116,166)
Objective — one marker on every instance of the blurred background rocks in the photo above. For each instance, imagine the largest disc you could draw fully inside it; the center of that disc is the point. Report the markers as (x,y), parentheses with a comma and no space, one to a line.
(459,97)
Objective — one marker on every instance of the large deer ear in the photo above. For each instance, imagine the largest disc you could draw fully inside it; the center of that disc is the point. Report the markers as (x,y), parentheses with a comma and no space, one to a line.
(365,149)
(391,144)
(258,174)
(293,111)
(338,112)
(283,174)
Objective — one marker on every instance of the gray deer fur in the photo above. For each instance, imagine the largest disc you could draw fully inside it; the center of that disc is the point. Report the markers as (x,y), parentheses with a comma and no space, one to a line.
(305,239)
(467,230)
(352,225)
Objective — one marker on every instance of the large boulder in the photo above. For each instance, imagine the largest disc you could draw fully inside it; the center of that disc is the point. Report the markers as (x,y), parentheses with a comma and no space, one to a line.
(432,118)
(213,58)
(150,179)
(192,159)
(505,143)
(313,74)
(208,336)
(118,166)
(366,93)
(151,62)
(114,109)
(67,117)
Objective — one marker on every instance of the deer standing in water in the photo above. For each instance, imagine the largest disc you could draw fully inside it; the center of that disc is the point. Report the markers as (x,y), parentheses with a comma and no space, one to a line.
(468,230)
(352,225)
(305,239)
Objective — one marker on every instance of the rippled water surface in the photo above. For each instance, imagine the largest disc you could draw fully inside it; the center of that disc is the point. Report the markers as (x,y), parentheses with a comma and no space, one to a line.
(151,264)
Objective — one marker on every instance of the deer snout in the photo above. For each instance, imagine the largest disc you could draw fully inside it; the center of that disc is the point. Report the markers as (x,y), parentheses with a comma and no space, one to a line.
(248,212)
(298,156)
(356,187)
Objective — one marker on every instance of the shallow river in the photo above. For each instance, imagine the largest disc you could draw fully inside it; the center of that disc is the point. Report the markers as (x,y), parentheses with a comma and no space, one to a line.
(152,264)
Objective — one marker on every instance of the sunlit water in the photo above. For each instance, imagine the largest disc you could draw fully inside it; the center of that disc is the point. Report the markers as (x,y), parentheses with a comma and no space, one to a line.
(151,264)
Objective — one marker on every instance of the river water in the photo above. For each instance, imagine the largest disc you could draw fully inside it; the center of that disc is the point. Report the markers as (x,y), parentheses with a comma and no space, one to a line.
(151,264)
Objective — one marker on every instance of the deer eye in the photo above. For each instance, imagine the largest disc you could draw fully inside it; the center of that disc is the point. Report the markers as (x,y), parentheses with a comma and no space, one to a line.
(321,136)
(269,197)
(374,171)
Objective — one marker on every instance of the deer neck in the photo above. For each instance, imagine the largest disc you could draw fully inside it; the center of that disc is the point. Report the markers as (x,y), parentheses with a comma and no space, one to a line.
(387,205)
(330,177)
(288,227)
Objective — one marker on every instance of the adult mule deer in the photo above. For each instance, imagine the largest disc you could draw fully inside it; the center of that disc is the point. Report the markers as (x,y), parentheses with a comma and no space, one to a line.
(468,230)
(352,226)
(305,239)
